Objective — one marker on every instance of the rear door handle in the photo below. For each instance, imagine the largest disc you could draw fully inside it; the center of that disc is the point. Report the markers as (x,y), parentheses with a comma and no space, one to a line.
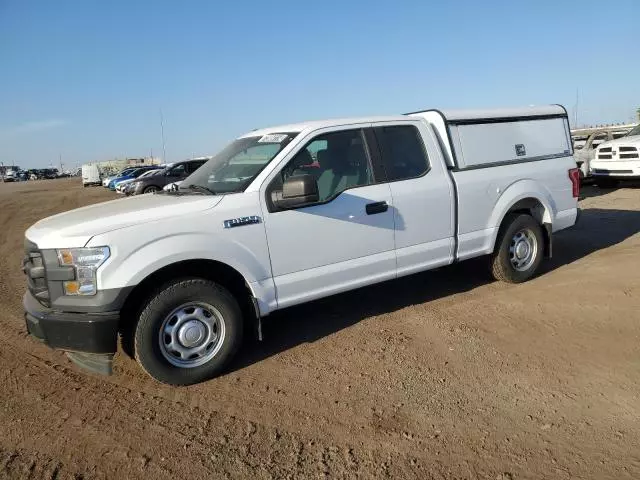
(376,207)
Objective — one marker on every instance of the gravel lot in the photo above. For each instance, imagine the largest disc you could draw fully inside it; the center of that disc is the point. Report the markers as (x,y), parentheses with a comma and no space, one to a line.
(439,375)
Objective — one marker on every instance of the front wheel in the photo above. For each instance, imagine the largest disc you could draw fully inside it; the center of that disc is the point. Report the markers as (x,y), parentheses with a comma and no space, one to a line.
(151,189)
(188,332)
(519,249)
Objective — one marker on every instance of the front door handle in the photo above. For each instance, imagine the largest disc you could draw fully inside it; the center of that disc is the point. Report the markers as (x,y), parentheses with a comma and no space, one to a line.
(376,207)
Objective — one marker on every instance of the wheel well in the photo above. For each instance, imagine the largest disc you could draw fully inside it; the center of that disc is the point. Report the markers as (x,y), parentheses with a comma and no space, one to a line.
(218,272)
(534,208)
(529,206)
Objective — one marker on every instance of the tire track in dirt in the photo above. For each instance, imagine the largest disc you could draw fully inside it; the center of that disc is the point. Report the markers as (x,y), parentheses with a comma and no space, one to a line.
(187,438)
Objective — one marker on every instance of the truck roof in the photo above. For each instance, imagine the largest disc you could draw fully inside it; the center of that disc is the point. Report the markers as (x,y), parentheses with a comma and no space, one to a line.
(449,115)
(317,124)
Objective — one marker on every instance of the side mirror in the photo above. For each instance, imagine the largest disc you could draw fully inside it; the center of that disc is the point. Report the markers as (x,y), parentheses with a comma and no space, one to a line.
(297,191)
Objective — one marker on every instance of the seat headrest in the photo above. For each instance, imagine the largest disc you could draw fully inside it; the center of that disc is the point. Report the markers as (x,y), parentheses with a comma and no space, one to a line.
(303,158)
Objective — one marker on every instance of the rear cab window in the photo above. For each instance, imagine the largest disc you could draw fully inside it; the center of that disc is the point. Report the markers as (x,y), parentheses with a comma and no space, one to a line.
(403,153)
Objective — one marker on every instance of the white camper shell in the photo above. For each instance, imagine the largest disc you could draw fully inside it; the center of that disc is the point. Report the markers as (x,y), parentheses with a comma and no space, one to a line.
(482,138)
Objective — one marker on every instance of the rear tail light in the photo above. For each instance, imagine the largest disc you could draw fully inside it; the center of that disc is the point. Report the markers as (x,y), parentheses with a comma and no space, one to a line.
(574,176)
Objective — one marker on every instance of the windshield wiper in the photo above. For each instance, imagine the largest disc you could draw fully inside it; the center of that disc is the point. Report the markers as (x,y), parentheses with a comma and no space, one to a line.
(199,188)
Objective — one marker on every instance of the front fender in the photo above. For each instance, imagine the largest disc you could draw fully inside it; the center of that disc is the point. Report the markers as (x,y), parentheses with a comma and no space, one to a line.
(129,267)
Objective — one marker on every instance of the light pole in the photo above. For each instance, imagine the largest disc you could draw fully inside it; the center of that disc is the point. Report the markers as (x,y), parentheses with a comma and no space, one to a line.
(164,151)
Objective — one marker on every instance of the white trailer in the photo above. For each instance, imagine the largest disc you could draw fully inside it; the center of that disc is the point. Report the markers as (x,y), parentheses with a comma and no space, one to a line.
(90,174)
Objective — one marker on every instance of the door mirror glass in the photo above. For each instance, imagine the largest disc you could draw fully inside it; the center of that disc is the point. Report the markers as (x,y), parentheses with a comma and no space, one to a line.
(297,191)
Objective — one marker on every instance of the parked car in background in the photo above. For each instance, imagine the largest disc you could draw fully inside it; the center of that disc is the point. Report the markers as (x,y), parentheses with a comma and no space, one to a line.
(260,228)
(106,180)
(617,160)
(122,187)
(51,173)
(90,175)
(587,139)
(172,173)
(10,176)
(135,173)
(585,149)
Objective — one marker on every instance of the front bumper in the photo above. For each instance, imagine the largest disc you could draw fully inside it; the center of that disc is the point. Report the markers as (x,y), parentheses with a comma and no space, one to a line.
(91,338)
(615,169)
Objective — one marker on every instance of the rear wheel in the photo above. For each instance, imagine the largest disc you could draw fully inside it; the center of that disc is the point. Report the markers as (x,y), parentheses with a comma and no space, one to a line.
(519,249)
(188,332)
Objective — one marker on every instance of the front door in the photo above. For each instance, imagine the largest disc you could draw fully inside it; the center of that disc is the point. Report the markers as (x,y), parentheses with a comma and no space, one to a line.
(344,241)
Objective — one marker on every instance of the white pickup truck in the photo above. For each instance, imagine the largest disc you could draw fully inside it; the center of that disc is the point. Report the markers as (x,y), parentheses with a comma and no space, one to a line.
(290,214)
(617,160)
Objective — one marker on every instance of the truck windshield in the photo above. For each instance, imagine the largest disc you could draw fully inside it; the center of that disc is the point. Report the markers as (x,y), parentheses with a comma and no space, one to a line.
(235,167)
(634,131)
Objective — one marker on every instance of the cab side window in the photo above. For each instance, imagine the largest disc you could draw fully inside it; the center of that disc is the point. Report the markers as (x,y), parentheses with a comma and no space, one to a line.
(403,153)
(338,161)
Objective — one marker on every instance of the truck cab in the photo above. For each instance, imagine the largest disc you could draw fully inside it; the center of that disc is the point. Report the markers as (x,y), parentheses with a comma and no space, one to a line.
(289,214)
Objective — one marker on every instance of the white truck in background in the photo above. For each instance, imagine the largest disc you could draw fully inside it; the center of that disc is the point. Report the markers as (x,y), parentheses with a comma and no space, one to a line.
(617,160)
(289,214)
(586,141)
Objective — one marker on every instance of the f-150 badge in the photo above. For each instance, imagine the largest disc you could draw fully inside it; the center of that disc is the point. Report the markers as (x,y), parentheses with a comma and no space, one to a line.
(239,222)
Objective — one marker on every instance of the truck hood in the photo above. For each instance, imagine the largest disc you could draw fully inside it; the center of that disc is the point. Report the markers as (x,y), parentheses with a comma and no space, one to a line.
(76,227)
(622,141)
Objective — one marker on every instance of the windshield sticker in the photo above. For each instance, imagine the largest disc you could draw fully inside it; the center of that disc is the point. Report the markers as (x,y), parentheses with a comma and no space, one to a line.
(273,138)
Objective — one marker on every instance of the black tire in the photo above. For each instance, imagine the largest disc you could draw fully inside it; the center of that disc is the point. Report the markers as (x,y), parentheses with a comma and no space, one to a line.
(502,267)
(151,189)
(606,182)
(151,355)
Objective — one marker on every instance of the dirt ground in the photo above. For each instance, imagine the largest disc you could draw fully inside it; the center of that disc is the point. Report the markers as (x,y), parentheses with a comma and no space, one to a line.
(442,375)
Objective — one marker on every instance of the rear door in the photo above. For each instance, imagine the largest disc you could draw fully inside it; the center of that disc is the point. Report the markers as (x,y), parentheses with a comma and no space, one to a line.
(343,241)
(422,193)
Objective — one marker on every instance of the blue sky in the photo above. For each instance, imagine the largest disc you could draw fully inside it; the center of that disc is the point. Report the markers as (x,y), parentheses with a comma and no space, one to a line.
(87,79)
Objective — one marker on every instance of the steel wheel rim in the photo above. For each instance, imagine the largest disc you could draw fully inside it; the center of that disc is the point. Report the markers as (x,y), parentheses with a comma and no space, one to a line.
(191,335)
(523,249)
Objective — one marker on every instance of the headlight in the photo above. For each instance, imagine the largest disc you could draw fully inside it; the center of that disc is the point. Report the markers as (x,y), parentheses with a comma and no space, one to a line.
(85,262)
